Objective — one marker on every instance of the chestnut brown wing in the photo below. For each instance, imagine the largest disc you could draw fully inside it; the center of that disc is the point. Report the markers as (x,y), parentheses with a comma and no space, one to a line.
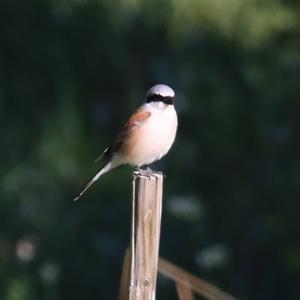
(135,120)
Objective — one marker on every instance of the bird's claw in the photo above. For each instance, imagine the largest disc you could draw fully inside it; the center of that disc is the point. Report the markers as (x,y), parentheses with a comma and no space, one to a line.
(147,172)
(144,172)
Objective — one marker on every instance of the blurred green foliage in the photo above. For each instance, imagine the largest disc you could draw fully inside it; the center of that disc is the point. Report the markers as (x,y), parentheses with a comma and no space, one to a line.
(71,71)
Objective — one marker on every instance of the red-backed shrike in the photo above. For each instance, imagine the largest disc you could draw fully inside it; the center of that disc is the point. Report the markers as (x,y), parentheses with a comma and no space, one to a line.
(146,137)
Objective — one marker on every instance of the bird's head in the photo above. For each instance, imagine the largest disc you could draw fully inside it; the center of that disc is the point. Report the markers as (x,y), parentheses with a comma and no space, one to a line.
(160,93)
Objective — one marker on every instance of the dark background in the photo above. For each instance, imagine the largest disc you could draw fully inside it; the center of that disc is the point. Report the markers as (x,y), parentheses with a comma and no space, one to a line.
(72,71)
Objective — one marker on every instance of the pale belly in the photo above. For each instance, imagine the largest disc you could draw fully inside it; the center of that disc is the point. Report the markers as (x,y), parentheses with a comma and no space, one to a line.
(153,139)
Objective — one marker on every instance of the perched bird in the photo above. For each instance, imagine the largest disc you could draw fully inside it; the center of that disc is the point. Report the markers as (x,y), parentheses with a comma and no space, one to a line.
(146,137)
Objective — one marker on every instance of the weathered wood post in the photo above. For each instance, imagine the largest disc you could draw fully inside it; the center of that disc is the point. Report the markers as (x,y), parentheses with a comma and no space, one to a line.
(145,235)
(141,262)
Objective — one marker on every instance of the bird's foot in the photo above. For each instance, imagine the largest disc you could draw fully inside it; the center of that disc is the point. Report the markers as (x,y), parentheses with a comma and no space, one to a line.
(147,172)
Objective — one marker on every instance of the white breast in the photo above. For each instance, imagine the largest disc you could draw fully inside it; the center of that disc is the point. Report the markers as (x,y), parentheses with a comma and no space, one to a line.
(156,136)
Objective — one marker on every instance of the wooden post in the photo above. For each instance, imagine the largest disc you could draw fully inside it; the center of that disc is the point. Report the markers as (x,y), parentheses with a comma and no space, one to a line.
(138,281)
(125,277)
(187,283)
(145,234)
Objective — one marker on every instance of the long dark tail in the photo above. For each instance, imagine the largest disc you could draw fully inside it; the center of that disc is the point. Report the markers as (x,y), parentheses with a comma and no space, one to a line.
(105,169)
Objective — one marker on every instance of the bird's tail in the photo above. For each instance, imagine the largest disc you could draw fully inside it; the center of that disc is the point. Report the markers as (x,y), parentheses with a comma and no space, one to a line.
(105,169)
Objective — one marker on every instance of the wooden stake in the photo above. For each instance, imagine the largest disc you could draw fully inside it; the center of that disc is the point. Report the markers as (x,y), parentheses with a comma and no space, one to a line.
(184,292)
(125,277)
(138,281)
(145,235)
(191,282)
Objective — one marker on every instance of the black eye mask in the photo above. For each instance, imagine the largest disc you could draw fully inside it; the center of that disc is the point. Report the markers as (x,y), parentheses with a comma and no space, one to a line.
(159,98)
